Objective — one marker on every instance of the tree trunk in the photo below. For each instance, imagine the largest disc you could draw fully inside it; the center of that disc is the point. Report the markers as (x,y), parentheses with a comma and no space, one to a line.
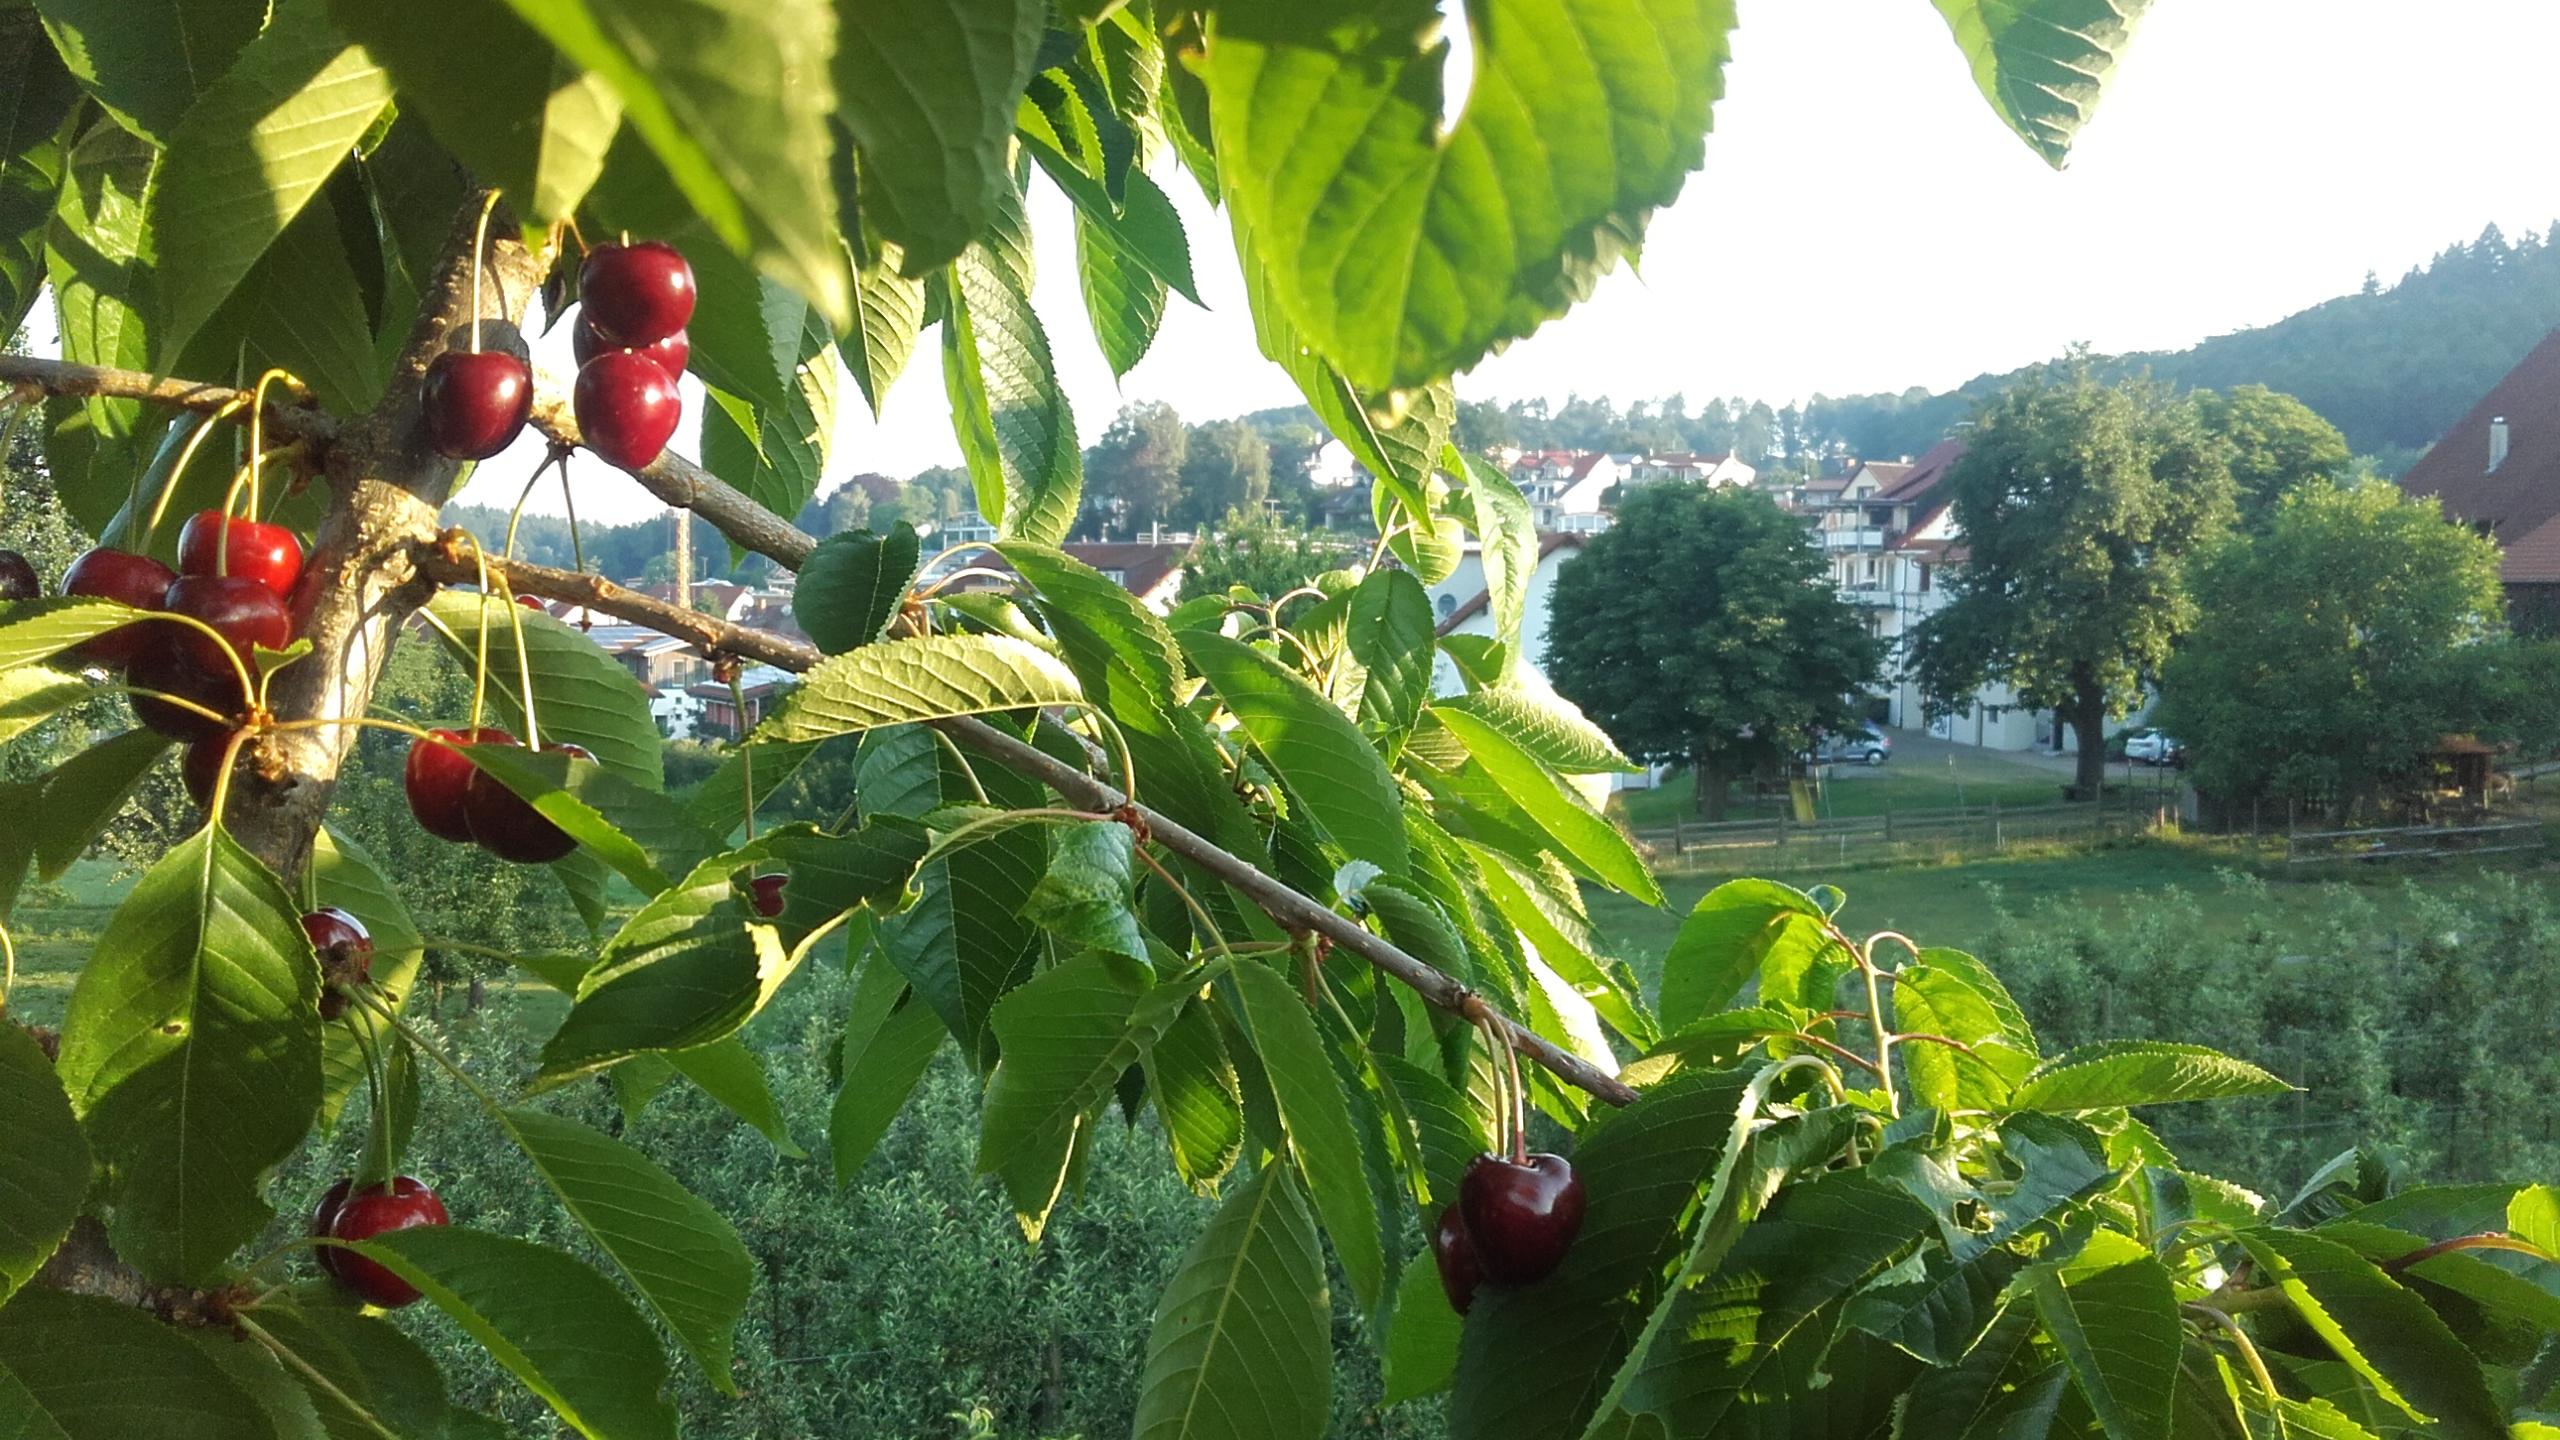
(387,490)
(2088,720)
(1714,781)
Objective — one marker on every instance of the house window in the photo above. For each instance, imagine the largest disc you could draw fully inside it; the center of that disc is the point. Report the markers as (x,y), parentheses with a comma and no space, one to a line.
(1924,575)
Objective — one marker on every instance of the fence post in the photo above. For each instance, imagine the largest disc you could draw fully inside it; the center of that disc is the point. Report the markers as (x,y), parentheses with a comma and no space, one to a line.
(1678,838)
(1995,827)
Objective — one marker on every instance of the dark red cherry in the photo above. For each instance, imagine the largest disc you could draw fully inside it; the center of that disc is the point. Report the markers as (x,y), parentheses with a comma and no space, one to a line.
(1521,1216)
(216,544)
(437,775)
(636,294)
(18,578)
(531,603)
(127,579)
(165,664)
(346,956)
(767,892)
(324,1217)
(626,407)
(475,402)
(1455,1254)
(404,1204)
(247,613)
(200,766)
(672,354)
(506,825)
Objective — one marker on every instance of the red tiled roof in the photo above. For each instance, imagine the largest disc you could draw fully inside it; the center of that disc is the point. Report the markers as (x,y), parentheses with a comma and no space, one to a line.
(1548,544)
(1922,475)
(2518,504)
(1887,472)
(1142,566)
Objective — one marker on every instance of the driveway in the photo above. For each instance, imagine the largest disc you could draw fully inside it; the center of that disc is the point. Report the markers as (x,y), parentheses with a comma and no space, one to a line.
(1910,746)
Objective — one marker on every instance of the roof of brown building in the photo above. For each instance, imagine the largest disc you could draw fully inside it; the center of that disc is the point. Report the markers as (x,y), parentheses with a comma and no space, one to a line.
(1142,566)
(2518,504)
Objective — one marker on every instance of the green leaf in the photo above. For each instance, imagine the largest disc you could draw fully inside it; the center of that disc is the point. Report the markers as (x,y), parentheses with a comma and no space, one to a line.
(42,1153)
(677,1251)
(1007,407)
(2471,1274)
(1316,1112)
(733,99)
(342,874)
(889,1039)
(719,803)
(1315,749)
(147,61)
(556,1325)
(254,149)
(888,314)
(775,454)
(1545,798)
(279,1397)
(368,1362)
(581,695)
(1509,533)
(33,631)
(85,1368)
(1122,296)
(2113,1313)
(643,835)
(1544,725)
(930,677)
(2534,1218)
(191,1050)
(1067,1036)
(929,90)
(1406,251)
(964,944)
(1088,895)
(1242,1345)
(1422,1346)
(2381,1329)
(53,818)
(729,1072)
(1197,1096)
(1994,1391)
(853,585)
(1933,1001)
(1734,932)
(2140,1072)
(2042,63)
(1740,1350)
(37,98)
(496,95)
(1389,633)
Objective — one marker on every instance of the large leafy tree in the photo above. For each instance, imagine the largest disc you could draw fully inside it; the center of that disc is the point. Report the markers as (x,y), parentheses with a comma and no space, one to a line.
(2334,651)
(1702,629)
(2276,444)
(2080,504)
(1238,871)
(1134,476)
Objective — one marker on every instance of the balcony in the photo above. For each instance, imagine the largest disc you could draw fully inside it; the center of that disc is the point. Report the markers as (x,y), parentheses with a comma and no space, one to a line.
(1852,539)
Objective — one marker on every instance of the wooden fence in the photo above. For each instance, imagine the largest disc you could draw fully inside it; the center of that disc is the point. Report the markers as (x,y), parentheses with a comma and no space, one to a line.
(2328,847)
(1959,829)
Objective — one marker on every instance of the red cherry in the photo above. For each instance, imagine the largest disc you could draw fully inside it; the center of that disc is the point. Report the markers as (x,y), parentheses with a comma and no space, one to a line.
(531,603)
(404,1204)
(268,554)
(346,955)
(437,775)
(1521,1216)
(636,294)
(672,354)
(626,407)
(166,665)
(506,825)
(324,1216)
(127,579)
(18,578)
(247,613)
(200,766)
(1455,1254)
(475,401)
(767,892)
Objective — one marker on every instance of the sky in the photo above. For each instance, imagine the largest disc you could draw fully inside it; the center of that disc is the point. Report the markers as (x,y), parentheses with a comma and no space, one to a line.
(1864,222)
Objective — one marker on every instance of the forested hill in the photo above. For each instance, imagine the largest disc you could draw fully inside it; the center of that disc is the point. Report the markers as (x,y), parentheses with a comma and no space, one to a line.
(2391,367)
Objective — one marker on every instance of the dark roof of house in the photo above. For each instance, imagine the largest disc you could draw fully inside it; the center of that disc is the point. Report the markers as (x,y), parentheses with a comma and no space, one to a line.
(2518,504)
(1921,475)
(1142,566)
(1888,471)
(1548,544)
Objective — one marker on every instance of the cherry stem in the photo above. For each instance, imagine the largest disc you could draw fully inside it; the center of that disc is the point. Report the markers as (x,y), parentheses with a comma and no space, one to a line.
(417,1042)
(569,499)
(1841,1051)
(257,446)
(1200,912)
(2484,1241)
(1519,1100)
(8,968)
(180,701)
(2240,1340)
(222,779)
(377,1077)
(480,243)
(746,752)
(187,452)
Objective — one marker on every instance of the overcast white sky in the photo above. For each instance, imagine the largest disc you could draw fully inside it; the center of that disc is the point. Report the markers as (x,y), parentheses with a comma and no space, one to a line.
(1865,223)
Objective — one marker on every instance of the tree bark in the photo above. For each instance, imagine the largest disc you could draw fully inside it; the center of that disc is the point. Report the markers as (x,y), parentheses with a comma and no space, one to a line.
(1715,784)
(2088,720)
(388,487)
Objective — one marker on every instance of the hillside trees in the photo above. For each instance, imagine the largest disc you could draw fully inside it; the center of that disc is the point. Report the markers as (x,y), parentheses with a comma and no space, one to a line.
(1236,873)
(2080,504)
(1702,629)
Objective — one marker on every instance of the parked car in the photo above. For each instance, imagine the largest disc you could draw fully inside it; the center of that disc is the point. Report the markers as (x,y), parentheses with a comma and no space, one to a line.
(2154,746)
(1866,745)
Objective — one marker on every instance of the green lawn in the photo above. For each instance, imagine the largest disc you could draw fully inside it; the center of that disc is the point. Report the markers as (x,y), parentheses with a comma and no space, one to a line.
(1973,777)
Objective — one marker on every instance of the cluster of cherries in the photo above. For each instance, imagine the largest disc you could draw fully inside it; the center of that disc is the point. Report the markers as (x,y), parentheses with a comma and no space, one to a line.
(1515,1218)
(456,800)
(634,302)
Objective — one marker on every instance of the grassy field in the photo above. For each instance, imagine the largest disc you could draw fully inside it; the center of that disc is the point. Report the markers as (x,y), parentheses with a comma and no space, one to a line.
(1956,903)
(1970,777)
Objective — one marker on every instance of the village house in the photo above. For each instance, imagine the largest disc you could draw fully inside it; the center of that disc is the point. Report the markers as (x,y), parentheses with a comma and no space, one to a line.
(2498,471)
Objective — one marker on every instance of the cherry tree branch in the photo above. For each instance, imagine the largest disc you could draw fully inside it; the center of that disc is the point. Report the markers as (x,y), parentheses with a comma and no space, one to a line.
(688,486)
(1292,910)
(64,379)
